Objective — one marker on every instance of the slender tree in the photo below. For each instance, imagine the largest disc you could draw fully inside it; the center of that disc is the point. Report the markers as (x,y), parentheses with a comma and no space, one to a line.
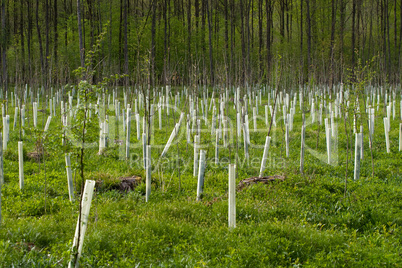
(308,14)
(56,35)
(4,45)
(126,70)
(80,34)
(211,60)
(333,22)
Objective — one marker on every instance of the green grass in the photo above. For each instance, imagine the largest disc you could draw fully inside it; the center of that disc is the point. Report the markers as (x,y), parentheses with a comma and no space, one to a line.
(306,220)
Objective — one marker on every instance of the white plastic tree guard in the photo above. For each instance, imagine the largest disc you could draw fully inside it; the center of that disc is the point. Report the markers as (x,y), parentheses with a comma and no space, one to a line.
(232,196)
(148,170)
(128,133)
(303,133)
(386,131)
(69,178)
(358,143)
(201,169)
(265,155)
(21,164)
(82,222)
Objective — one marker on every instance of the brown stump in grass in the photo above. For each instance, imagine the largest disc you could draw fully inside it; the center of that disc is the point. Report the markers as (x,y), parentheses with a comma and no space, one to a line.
(35,156)
(254,180)
(123,184)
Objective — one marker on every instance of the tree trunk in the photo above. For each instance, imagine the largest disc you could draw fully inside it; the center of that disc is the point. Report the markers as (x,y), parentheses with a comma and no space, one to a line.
(388,38)
(301,42)
(110,39)
(308,39)
(47,23)
(125,44)
(333,19)
(203,48)
(268,7)
(165,50)
(152,60)
(4,45)
(243,45)
(39,41)
(211,62)
(82,59)
(189,54)
(29,3)
(282,19)
(260,38)
(23,75)
(353,32)
(91,21)
(56,37)
(121,36)
(232,41)
(400,40)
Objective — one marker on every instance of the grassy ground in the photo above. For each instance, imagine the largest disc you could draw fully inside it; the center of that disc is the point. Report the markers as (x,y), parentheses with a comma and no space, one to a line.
(306,220)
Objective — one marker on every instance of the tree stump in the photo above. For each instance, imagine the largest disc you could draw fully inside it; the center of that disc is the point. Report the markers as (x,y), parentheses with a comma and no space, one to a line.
(254,180)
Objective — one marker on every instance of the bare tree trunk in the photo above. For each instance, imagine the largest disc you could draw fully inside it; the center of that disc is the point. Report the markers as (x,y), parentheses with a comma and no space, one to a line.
(260,38)
(47,23)
(395,30)
(152,60)
(384,32)
(282,19)
(333,18)
(243,45)
(269,10)
(125,43)
(342,29)
(189,54)
(165,50)
(121,35)
(110,39)
(353,32)
(400,39)
(211,62)
(301,41)
(29,3)
(203,11)
(80,34)
(23,75)
(232,40)
(308,39)
(226,43)
(39,41)
(4,45)
(91,21)
(388,38)
(56,37)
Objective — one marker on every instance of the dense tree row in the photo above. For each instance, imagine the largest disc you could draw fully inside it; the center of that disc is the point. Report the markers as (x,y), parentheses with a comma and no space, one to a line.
(200,42)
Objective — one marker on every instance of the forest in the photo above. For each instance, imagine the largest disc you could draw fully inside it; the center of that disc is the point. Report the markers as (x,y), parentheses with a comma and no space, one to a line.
(216,133)
(194,42)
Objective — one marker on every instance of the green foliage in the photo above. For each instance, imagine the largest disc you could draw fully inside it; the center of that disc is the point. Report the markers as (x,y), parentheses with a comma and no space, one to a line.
(305,220)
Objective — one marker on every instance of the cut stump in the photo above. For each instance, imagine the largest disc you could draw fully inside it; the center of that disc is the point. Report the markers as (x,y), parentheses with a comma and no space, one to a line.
(123,184)
(254,180)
